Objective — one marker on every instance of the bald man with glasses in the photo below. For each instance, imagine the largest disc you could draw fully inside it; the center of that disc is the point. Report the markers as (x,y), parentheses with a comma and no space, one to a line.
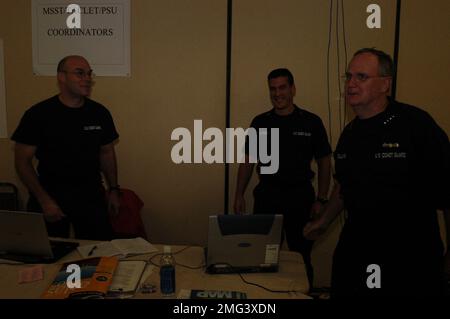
(392,175)
(73,139)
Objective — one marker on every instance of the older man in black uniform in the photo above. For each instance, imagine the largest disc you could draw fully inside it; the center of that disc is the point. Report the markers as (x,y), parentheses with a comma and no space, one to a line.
(392,172)
(302,138)
(73,138)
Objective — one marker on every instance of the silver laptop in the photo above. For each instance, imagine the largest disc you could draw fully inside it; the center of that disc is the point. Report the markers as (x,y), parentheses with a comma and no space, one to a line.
(243,243)
(24,237)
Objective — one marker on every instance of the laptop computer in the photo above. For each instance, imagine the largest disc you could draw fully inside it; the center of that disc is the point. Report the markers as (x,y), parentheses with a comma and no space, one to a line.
(24,238)
(243,243)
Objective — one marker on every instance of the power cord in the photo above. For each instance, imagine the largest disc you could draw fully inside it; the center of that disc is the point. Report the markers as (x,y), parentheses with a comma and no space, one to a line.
(345,51)
(267,289)
(150,260)
(338,67)
(258,285)
(328,73)
(238,273)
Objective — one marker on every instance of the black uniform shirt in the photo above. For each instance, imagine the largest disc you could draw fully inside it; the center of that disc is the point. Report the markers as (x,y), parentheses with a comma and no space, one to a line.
(302,137)
(393,170)
(68,140)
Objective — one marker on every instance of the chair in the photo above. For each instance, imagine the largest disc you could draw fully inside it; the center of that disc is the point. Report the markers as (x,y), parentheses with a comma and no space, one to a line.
(9,196)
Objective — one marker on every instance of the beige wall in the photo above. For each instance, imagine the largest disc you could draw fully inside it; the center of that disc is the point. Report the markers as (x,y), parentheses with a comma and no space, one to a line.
(178,75)
(424,63)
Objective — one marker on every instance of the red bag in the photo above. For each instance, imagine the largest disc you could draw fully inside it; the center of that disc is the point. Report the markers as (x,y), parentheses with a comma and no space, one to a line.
(128,223)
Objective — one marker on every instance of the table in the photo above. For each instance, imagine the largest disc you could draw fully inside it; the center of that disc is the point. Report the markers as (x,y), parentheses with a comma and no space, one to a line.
(290,277)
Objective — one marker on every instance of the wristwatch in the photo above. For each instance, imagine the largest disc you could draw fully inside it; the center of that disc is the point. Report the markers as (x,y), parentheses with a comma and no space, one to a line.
(322,200)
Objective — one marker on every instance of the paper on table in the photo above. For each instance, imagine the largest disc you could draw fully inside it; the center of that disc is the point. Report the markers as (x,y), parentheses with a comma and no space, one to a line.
(31,274)
(134,246)
(105,249)
(96,278)
(121,247)
(127,276)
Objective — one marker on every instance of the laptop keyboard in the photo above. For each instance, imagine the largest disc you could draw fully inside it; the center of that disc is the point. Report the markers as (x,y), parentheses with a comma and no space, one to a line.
(62,248)
(221,269)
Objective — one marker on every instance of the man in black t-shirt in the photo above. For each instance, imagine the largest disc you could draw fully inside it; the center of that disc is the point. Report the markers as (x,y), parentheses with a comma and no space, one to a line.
(392,174)
(72,138)
(289,191)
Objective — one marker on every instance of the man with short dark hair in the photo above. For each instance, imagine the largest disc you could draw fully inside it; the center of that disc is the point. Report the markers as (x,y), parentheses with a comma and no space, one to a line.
(289,191)
(392,174)
(73,139)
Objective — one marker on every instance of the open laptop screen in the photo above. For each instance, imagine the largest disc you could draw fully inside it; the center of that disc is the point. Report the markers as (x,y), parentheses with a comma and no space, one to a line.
(243,243)
(24,237)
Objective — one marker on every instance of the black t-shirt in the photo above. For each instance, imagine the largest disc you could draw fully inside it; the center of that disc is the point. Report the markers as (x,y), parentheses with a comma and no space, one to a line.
(302,137)
(68,140)
(393,170)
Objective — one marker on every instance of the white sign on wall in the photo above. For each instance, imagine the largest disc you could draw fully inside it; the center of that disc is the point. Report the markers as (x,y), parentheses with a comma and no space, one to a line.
(103,37)
(3,129)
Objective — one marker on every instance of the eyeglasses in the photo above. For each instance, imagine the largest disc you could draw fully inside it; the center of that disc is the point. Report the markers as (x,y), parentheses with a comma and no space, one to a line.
(360,77)
(81,74)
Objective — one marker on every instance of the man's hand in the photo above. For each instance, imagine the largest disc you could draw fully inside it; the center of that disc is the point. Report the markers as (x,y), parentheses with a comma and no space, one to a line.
(239,205)
(314,229)
(114,203)
(52,212)
(316,210)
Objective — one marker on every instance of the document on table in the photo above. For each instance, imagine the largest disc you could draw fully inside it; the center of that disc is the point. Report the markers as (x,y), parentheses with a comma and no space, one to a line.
(127,276)
(118,247)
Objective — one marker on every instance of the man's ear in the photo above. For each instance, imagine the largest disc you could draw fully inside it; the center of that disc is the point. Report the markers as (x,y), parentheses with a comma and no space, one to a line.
(60,76)
(294,90)
(387,85)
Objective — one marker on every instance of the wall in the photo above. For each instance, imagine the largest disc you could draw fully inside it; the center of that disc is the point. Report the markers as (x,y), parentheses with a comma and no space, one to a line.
(179,74)
(423,77)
